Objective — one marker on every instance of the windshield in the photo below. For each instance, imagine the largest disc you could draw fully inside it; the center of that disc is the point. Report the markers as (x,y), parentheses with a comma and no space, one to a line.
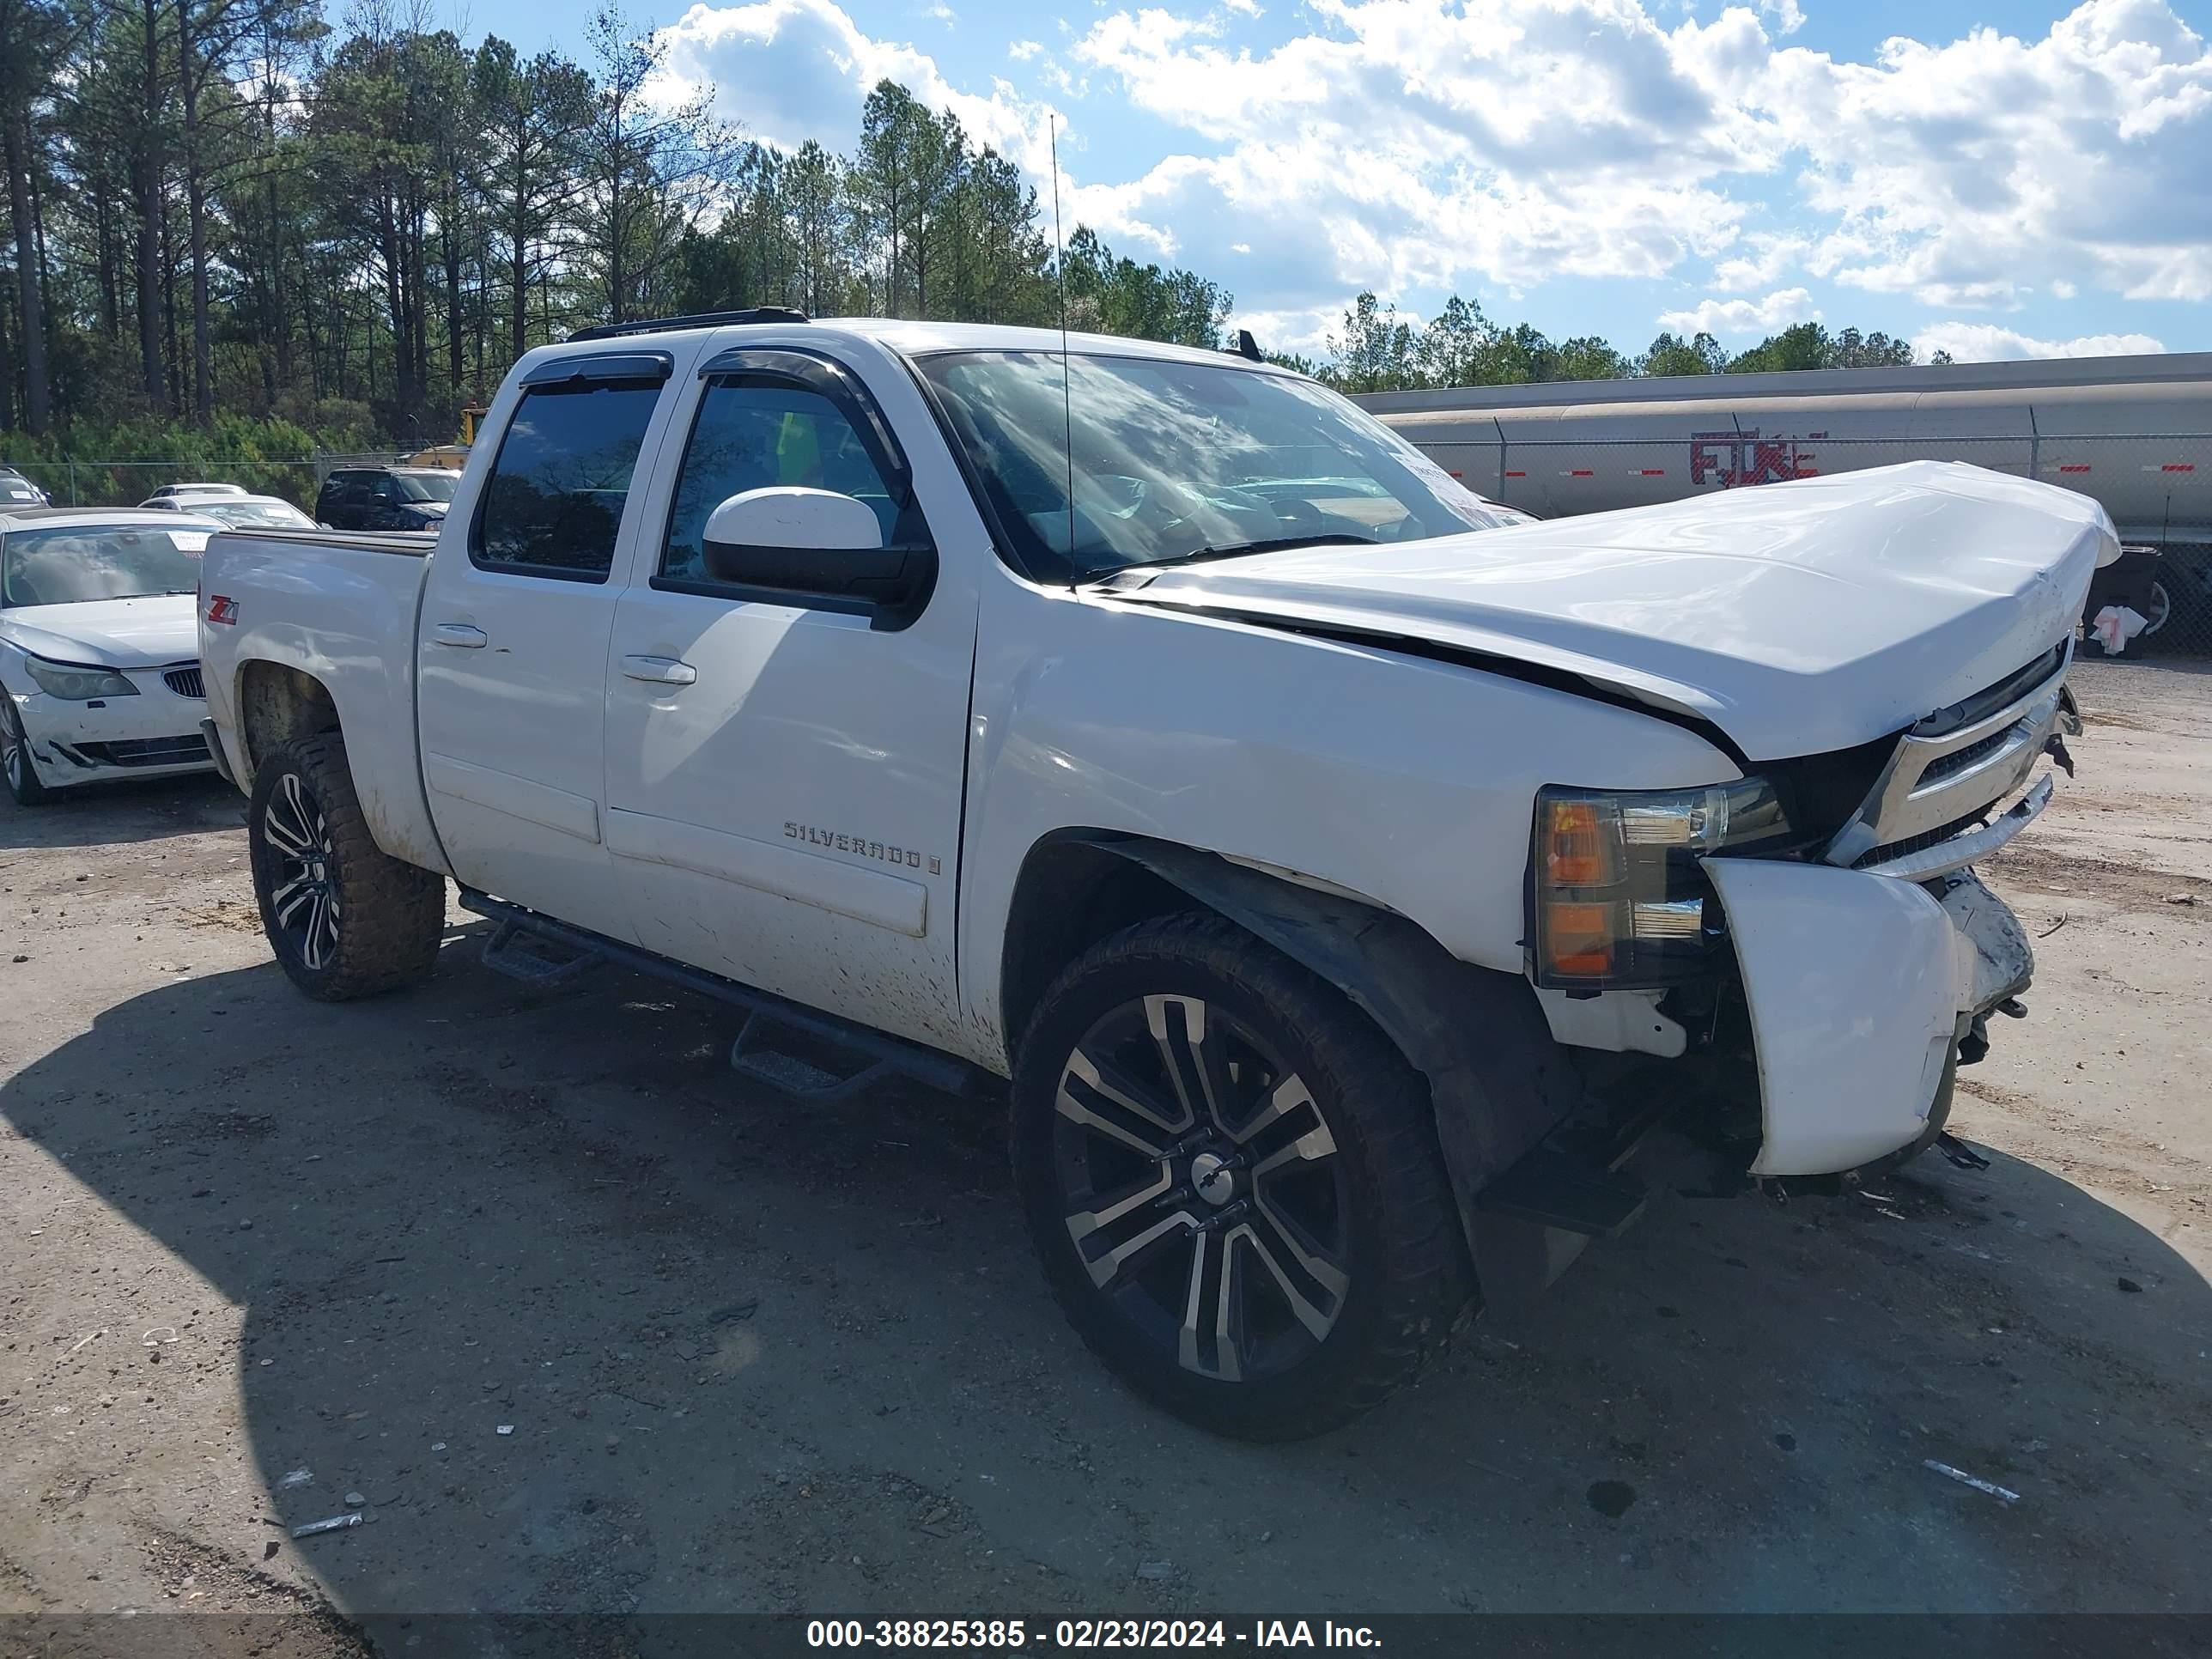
(74,562)
(253,513)
(426,486)
(1174,460)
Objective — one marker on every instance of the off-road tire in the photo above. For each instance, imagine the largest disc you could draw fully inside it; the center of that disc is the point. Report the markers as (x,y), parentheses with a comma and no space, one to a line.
(389,914)
(1410,1283)
(24,784)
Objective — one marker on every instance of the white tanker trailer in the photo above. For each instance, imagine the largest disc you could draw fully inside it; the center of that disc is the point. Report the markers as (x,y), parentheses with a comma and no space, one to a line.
(2135,433)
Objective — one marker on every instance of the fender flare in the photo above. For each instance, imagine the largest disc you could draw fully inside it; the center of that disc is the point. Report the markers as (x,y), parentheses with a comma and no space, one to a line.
(1498,1083)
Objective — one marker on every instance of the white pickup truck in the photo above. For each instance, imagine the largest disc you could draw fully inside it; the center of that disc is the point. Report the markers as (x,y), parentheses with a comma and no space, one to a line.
(1342,872)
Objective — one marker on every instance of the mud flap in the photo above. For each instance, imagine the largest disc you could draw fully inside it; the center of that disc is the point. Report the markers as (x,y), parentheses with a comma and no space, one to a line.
(1855,984)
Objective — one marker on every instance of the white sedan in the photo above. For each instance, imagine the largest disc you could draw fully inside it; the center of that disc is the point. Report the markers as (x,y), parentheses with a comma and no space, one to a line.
(168,490)
(100,675)
(239,512)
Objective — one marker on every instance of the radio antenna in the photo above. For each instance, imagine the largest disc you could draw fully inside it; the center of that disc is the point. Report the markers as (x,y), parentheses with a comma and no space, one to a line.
(1066,396)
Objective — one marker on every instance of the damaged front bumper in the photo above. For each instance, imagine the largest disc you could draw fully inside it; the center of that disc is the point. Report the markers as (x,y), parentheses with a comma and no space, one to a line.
(1861,987)
(155,733)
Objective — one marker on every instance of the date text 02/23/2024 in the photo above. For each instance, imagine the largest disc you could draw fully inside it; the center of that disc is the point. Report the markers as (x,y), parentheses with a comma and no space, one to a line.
(1007,1635)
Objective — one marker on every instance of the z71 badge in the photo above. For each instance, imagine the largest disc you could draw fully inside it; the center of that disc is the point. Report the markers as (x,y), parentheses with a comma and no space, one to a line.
(860,846)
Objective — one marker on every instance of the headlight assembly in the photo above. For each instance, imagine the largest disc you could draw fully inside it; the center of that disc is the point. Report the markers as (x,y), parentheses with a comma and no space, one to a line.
(73,683)
(1619,899)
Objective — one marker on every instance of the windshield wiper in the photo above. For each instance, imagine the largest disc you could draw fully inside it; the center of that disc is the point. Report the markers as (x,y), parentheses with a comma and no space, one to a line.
(1234,550)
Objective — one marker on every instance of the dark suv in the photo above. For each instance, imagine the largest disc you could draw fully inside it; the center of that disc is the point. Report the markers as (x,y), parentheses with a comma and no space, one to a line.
(385,498)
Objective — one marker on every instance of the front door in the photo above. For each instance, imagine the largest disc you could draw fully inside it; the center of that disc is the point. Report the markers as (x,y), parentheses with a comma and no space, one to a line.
(785,771)
(513,648)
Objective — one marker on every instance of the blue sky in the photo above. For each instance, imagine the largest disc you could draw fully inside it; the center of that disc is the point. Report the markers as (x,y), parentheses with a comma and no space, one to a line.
(2000,178)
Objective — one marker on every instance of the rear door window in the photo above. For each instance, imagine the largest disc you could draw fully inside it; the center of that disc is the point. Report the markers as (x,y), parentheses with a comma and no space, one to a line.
(554,502)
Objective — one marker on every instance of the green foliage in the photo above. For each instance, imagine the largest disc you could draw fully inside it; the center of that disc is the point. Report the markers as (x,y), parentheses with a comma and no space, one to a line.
(232,214)
(126,461)
(220,210)
(1379,350)
(1808,345)
(1670,354)
(1110,294)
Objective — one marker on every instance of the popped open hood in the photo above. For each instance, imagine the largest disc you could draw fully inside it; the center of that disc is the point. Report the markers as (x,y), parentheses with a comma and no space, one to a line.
(1797,618)
(147,633)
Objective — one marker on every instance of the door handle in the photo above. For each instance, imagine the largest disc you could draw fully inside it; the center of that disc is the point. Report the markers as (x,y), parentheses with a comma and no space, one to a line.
(461,635)
(659,670)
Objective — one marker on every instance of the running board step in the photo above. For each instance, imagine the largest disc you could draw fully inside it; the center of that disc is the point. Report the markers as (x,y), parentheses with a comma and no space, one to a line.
(763,1052)
(1555,1189)
(837,1057)
(523,953)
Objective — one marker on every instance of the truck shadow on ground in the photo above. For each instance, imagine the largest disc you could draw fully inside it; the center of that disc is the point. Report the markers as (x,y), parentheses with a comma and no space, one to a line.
(591,1326)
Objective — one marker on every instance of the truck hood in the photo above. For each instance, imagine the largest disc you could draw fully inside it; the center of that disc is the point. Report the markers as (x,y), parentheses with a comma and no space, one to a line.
(148,632)
(1797,618)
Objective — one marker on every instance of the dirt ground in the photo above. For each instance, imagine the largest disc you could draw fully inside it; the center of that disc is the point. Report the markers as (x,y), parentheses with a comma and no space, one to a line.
(580,1322)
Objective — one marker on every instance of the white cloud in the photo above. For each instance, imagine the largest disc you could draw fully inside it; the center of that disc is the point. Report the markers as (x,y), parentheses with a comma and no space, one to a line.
(1416,145)
(1966,174)
(1303,329)
(941,12)
(1245,8)
(1983,343)
(1731,318)
(1411,142)
(1788,16)
(1419,143)
(1766,256)
(795,69)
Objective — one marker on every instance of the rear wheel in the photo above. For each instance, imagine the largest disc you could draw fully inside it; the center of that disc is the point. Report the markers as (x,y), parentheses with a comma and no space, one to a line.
(2159,599)
(1232,1179)
(345,918)
(23,782)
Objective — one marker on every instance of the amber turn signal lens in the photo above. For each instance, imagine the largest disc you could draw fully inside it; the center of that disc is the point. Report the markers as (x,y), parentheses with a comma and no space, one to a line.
(1577,852)
(1578,939)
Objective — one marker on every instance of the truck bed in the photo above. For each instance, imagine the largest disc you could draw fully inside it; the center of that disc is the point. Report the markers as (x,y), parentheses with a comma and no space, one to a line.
(334,605)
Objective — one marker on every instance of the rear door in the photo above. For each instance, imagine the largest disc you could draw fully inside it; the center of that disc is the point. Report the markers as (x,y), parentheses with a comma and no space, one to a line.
(339,506)
(785,767)
(511,650)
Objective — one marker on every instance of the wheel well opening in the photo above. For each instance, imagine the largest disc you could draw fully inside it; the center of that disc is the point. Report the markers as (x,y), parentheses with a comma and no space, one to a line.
(277,704)
(1070,894)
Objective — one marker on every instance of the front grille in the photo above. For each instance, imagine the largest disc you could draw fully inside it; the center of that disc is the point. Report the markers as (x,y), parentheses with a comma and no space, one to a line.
(185,682)
(145,751)
(1959,759)
(1952,769)
(1910,844)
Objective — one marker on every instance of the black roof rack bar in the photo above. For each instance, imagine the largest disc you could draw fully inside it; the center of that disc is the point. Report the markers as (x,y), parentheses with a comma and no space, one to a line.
(700,319)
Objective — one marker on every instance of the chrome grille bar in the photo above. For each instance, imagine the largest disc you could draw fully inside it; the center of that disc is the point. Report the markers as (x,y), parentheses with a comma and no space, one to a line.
(1934,779)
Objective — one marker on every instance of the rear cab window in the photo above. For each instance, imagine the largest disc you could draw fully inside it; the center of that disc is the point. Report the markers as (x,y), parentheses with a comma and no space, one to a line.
(553,504)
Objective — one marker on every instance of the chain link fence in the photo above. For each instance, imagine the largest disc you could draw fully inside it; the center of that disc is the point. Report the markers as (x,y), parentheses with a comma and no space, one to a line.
(2158,489)
(126,483)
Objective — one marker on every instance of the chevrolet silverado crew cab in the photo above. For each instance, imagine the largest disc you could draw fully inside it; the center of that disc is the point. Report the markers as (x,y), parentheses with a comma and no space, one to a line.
(1340,874)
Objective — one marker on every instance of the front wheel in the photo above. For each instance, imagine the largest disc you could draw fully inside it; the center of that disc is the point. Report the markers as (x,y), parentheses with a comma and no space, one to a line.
(23,780)
(345,918)
(1233,1182)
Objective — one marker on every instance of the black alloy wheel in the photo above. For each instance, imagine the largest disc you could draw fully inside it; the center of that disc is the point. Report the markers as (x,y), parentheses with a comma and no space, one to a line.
(1203,1189)
(1232,1180)
(344,918)
(304,907)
